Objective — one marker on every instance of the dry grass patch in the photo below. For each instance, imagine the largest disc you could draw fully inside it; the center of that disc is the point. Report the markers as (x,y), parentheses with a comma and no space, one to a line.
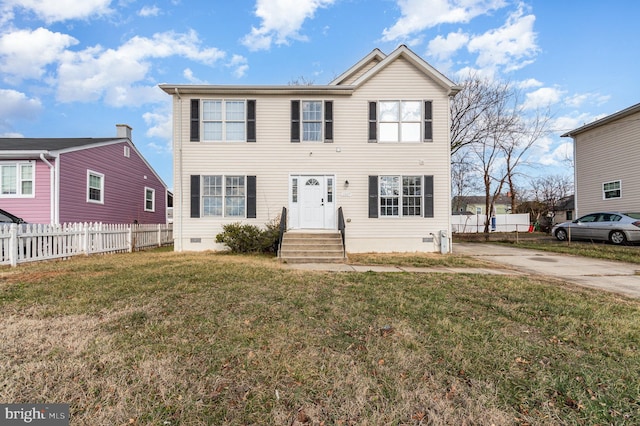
(200,338)
(418,260)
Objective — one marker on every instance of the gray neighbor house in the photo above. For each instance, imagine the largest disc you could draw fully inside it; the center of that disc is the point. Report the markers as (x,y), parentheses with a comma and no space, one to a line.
(607,163)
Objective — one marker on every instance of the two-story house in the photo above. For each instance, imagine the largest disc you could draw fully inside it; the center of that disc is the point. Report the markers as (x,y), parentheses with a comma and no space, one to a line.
(607,171)
(65,180)
(374,144)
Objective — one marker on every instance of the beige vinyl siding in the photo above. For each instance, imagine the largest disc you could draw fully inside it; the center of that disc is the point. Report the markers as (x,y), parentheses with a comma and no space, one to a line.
(605,154)
(359,73)
(273,158)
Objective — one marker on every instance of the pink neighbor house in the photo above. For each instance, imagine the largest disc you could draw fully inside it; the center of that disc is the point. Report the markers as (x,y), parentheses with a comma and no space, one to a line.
(65,180)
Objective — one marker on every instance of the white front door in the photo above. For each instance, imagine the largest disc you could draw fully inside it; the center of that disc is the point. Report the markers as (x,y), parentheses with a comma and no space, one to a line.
(312,204)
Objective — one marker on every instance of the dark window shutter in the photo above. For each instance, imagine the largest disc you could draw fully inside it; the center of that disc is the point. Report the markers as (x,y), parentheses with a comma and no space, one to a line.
(195,120)
(251,197)
(373,122)
(428,196)
(195,195)
(428,120)
(295,121)
(328,121)
(373,196)
(251,121)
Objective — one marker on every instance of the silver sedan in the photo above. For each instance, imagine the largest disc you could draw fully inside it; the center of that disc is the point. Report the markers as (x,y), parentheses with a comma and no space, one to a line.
(617,228)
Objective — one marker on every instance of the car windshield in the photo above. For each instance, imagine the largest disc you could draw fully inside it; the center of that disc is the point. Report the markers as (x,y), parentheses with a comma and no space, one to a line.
(633,215)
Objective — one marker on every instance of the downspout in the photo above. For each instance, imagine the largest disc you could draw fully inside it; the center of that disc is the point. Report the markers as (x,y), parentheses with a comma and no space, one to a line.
(575,180)
(177,143)
(52,192)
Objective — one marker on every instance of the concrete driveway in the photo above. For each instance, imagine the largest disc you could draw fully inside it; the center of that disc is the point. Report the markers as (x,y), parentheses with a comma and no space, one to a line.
(617,277)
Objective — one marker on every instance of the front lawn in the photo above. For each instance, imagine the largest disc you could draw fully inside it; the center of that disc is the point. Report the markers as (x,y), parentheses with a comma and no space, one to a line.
(159,338)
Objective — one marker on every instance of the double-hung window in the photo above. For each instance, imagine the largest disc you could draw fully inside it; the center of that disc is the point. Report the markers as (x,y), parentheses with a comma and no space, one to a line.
(16,179)
(400,121)
(224,120)
(95,187)
(149,199)
(224,196)
(400,196)
(311,121)
(611,189)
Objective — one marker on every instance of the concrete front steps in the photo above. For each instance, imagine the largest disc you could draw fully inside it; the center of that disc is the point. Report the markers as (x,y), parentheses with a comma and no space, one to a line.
(312,247)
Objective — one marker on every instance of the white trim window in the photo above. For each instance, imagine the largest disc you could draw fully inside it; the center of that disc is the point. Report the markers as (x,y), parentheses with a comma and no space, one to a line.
(149,199)
(400,196)
(312,121)
(224,196)
(400,121)
(224,120)
(95,187)
(612,190)
(17,180)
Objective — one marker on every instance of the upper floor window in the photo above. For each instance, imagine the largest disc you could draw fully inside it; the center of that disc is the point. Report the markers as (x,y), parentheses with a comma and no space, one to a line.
(400,121)
(16,179)
(149,200)
(311,121)
(95,187)
(223,120)
(612,189)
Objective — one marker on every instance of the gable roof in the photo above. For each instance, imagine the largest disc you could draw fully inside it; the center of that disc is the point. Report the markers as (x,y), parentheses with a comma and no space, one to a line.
(375,61)
(384,61)
(374,57)
(608,119)
(47,144)
(31,148)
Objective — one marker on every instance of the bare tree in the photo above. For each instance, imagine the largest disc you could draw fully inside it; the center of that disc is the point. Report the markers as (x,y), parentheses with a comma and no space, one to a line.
(301,81)
(464,179)
(490,121)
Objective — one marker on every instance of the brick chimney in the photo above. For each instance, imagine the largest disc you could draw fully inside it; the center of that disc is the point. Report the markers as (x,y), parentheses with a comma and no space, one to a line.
(123,131)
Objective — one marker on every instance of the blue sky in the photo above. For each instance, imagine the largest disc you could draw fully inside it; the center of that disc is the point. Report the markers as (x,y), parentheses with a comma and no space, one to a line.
(76,68)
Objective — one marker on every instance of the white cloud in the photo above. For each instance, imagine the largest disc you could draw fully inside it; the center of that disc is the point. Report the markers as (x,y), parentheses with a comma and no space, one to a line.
(16,106)
(160,126)
(570,122)
(557,155)
(114,74)
(529,83)
(147,11)
(239,64)
(281,21)
(442,48)
(24,54)
(418,15)
(510,47)
(542,98)
(62,10)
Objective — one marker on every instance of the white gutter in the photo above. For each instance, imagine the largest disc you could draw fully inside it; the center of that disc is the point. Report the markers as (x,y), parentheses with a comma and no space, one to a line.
(52,186)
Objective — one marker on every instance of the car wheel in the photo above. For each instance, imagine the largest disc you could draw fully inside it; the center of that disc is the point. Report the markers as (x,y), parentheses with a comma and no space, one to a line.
(617,237)
(561,234)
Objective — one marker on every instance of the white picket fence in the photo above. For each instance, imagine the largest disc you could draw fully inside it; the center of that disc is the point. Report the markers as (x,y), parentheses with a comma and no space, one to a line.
(33,242)
(503,223)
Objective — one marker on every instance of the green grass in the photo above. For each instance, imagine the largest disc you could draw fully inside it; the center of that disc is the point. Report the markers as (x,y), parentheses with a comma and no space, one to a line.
(199,338)
(597,250)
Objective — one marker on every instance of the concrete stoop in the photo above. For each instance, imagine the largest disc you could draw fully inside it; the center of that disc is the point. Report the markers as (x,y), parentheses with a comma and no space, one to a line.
(312,247)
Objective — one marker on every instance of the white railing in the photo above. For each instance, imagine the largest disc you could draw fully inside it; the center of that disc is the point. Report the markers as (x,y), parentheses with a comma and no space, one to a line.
(32,242)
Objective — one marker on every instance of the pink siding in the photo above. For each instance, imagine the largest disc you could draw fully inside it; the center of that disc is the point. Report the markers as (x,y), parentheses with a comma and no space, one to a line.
(124,184)
(33,209)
